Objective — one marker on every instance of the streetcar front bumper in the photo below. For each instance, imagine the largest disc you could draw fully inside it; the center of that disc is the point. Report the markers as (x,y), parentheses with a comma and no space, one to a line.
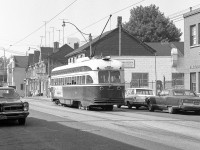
(108,101)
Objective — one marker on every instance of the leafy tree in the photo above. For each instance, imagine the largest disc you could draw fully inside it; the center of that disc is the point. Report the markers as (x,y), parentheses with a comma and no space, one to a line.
(150,25)
(2,62)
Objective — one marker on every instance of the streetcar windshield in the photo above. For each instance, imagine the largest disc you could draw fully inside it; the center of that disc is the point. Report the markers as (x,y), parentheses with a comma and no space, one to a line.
(109,76)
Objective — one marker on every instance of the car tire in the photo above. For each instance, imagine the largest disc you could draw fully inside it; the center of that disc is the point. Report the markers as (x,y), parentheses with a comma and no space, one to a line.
(129,105)
(79,105)
(137,107)
(150,107)
(119,106)
(197,112)
(22,121)
(171,110)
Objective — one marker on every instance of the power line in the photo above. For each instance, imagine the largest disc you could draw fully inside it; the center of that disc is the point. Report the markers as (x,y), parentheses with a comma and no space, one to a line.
(108,16)
(12,51)
(178,16)
(43,25)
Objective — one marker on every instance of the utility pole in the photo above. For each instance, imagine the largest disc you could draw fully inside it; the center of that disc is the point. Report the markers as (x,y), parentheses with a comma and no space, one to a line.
(53,34)
(45,32)
(63,25)
(49,37)
(4,64)
(59,35)
(40,48)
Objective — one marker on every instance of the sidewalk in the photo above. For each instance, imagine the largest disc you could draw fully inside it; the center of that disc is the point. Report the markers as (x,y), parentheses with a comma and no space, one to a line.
(38,98)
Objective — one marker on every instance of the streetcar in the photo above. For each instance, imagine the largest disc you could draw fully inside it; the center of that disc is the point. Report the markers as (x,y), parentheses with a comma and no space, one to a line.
(89,83)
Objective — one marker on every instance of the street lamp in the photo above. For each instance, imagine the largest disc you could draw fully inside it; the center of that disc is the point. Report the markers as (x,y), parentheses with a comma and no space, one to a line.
(3,62)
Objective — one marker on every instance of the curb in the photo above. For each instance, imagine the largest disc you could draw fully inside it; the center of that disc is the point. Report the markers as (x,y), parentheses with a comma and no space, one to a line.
(38,98)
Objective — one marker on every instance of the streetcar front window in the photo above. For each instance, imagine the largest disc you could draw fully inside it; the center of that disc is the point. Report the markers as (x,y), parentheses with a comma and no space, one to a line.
(103,76)
(115,77)
(109,77)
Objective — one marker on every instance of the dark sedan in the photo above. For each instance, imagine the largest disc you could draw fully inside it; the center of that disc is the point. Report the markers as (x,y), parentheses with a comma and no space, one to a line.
(11,106)
(174,100)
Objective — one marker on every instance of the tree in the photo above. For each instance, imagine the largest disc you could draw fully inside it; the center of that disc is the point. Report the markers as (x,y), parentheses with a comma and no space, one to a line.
(150,25)
(2,61)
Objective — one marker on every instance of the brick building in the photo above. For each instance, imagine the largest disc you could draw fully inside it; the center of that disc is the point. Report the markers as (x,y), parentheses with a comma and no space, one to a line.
(192,49)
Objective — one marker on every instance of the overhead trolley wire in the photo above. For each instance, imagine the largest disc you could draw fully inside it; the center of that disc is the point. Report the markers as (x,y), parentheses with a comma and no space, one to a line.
(44,25)
(108,16)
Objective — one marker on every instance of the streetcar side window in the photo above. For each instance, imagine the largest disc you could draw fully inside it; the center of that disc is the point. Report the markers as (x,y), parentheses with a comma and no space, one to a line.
(103,77)
(52,81)
(73,80)
(78,79)
(89,79)
(62,81)
(66,81)
(69,80)
(83,79)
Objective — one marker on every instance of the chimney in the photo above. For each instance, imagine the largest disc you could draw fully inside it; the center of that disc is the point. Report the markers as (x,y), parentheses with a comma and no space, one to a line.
(119,21)
(190,9)
(76,45)
(55,47)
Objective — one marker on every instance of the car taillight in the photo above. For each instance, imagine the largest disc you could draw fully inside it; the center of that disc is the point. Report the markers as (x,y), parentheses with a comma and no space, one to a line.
(181,102)
(119,88)
(26,106)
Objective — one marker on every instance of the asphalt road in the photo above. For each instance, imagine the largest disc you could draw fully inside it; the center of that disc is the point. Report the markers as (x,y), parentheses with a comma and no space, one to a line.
(55,127)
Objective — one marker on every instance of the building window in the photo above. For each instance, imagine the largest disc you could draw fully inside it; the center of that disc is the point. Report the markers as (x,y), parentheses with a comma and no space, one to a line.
(178,80)
(139,80)
(193,81)
(193,35)
(22,87)
(199,33)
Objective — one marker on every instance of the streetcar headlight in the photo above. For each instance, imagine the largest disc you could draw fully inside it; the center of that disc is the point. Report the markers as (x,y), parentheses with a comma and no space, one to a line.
(101,88)
(26,106)
(119,88)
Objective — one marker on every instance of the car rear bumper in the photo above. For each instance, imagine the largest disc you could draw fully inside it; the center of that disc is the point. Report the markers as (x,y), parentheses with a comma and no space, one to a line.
(13,115)
(190,107)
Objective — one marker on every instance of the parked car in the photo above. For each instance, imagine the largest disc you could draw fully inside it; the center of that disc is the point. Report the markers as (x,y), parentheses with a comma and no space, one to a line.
(11,106)
(136,97)
(174,100)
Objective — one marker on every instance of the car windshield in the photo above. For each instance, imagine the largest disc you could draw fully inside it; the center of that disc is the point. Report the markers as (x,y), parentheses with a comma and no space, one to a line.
(8,93)
(144,92)
(108,76)
(184,92)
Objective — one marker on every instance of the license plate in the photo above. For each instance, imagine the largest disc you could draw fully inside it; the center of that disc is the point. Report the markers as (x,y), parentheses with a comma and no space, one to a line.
(196,103)
(2,117)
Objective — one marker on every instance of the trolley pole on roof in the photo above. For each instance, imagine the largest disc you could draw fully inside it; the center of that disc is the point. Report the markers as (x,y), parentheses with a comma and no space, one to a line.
(90,40)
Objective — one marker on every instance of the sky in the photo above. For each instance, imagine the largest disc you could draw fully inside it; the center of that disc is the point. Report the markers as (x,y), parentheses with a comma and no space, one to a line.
(23,22)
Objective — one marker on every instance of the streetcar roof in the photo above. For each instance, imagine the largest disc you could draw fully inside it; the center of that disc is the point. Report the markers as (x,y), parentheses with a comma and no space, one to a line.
(94,64)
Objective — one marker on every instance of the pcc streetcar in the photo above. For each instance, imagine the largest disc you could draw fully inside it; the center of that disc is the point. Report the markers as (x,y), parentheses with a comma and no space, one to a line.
(89,83)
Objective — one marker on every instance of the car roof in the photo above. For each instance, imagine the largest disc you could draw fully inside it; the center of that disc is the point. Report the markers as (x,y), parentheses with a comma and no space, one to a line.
(6,88)
(177,90)
(139,88)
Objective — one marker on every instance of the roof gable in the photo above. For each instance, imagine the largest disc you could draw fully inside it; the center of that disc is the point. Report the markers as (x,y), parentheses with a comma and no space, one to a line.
(60,55)
(30,59)
(164,49)
(21,61)
(109,44)
(45,52)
